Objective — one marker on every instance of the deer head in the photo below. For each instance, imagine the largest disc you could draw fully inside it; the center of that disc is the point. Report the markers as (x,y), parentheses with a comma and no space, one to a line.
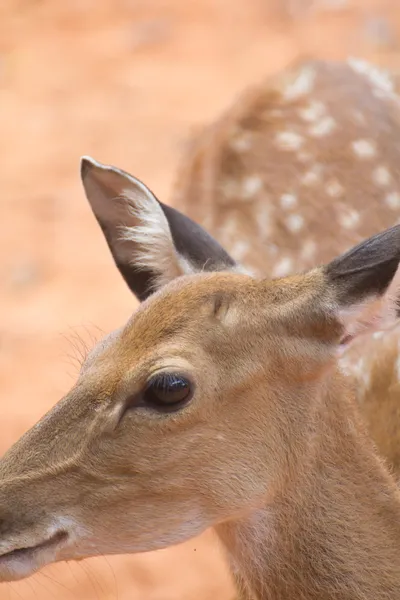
(198,409)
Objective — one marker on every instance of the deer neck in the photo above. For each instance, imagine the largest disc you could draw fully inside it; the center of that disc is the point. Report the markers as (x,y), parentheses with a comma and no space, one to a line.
(332,530)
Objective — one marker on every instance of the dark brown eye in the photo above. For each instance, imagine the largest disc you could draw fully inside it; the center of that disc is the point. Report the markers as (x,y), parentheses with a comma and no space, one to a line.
(168,392)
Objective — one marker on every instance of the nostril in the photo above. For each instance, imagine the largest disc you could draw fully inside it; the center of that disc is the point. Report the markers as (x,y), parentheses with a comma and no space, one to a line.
(52,542)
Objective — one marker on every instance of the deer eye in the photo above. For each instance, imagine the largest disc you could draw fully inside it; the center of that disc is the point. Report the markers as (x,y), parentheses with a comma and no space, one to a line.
(168,392)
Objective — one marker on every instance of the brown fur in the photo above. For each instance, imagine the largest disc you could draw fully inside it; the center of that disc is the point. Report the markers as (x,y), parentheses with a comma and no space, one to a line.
(256,229)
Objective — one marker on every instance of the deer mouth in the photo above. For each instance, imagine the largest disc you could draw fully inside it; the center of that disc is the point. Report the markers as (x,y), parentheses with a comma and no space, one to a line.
(21,561)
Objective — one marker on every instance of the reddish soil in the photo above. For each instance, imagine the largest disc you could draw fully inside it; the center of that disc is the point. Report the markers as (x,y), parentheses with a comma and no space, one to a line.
(126,81)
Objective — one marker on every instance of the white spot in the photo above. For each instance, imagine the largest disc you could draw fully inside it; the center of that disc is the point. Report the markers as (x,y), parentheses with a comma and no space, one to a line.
(366,378)
(304,156)
(272,249)
(289,140)
(229,231)
(377,335)
(333,4)
(250,186)
(263,214)
(288,201)
(310,178)
(334,188)
(241,142)
(361,372)
(314,111)
(230,228)
(247,271)
(230,189)
(358,117)
(364,148)
(240,249)
(393,200)
(381,176)
(378,78)
(349,218)
(345,364)
(301,85)
(398,368)
(323,127)
(313,176)
(282,268)
(308,250)
(359,366)
(276,112)
(295,223)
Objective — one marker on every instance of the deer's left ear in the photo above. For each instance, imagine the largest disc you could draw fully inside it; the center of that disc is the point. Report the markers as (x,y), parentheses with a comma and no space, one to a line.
(151,243)
(366,285)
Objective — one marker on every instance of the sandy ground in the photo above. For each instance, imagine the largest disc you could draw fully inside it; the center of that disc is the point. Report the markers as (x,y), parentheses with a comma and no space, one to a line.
(126,81)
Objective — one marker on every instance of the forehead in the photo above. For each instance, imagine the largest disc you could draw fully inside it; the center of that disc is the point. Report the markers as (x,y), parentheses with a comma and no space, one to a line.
(185,302)
(181,306)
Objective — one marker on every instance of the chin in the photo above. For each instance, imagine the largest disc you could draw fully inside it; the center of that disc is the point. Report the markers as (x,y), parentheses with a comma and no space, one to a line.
(24,563)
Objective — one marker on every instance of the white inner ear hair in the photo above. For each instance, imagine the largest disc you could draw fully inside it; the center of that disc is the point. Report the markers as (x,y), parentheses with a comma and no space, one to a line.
(152,245)
(374,313)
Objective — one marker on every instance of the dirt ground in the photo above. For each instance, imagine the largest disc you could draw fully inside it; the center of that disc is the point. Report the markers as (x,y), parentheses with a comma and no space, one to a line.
(126,81)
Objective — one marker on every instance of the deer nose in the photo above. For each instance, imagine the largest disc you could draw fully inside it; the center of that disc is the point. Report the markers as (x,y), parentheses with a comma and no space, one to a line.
(23,554)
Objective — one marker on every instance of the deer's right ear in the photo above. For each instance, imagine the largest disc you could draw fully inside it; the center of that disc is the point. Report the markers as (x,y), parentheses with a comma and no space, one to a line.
(151,243)
(366,285)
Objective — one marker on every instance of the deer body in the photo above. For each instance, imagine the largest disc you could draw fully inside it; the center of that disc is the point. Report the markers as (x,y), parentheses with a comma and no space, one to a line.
(301,168)
(221,403)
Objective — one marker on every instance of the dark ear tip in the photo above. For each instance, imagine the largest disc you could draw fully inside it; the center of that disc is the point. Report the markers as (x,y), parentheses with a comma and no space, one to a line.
(87,164)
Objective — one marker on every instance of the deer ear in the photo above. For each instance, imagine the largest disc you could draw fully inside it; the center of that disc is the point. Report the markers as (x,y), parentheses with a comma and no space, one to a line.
(366,284)
(151,243)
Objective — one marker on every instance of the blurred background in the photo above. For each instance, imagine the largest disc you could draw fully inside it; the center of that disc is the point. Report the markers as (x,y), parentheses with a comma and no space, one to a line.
(128,82)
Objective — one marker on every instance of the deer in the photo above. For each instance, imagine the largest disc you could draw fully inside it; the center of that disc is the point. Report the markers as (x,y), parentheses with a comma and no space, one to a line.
(221,403)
